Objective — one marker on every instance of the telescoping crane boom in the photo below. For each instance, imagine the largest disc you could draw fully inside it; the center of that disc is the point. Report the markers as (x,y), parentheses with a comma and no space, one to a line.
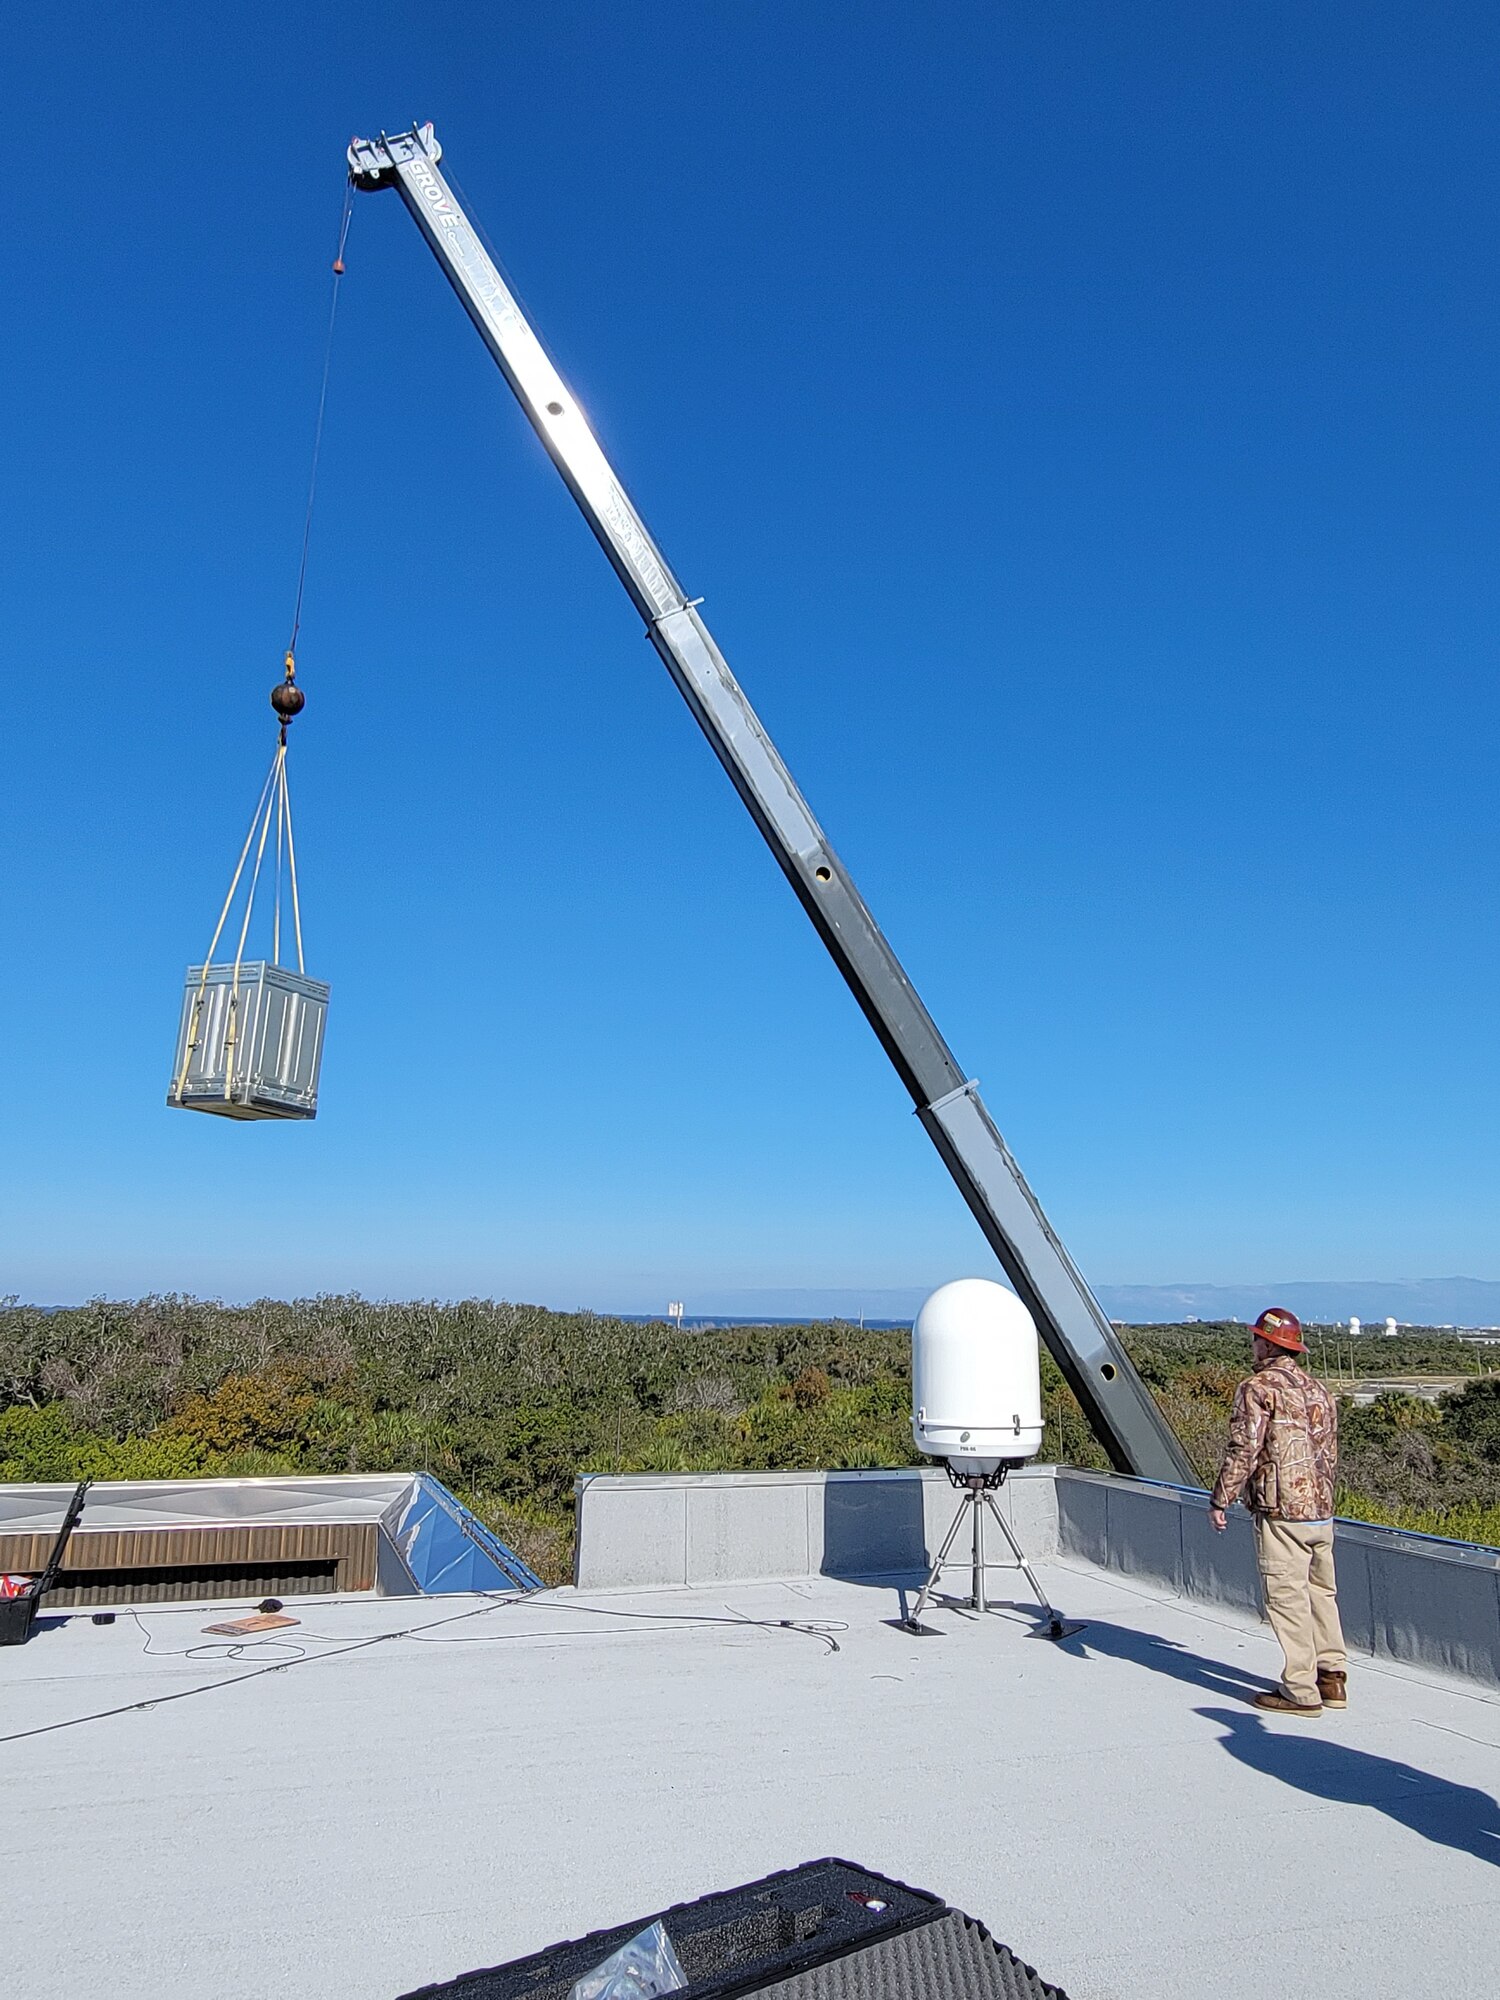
(1084,1344)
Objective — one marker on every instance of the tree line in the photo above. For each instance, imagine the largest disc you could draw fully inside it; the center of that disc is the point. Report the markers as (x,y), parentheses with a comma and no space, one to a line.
(507,1403)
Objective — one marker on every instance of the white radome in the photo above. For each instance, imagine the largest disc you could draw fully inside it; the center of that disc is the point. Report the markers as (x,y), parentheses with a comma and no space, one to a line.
(976,1378)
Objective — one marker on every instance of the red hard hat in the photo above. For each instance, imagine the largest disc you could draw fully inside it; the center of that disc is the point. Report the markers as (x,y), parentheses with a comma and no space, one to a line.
(1282,1329)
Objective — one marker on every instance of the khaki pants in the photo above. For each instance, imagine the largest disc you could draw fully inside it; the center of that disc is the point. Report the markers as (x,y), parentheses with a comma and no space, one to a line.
(1296,1577)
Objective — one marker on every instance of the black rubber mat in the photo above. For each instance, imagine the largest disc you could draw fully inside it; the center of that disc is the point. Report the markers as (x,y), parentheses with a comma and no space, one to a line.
(829,1930)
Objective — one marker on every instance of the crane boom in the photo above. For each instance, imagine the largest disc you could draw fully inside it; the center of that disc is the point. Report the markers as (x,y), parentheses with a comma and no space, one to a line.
(1085,1346)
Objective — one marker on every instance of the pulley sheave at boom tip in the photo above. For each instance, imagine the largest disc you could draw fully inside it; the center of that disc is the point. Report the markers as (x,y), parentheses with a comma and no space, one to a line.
(1090,1354)
(372,162)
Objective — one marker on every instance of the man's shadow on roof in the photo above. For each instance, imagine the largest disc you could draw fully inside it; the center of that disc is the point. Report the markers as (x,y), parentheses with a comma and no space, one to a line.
(1162,1656)
(1457,1816)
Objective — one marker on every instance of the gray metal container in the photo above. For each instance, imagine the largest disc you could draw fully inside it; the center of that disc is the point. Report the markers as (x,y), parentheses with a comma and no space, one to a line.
(249,1046)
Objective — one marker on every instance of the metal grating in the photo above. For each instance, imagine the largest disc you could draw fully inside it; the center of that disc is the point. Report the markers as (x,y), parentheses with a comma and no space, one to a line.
(190,1583)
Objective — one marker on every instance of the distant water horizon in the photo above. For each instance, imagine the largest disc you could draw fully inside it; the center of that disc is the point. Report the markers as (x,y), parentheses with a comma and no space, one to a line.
(1468,1304)
(1457,1302)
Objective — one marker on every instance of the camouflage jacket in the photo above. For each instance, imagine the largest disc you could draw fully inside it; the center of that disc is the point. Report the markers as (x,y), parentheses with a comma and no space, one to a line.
(1283,1445)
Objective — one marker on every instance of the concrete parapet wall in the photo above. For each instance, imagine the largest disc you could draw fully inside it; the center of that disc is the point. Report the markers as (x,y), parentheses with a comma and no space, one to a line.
(643,1529)
(1429,1603)
(1414,1598)
(1161,1534)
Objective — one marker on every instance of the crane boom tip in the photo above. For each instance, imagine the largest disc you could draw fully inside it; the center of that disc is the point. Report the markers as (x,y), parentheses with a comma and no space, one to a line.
(372,161)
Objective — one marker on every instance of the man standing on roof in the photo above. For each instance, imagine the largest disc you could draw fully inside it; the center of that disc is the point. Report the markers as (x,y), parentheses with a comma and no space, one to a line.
(1283,1453)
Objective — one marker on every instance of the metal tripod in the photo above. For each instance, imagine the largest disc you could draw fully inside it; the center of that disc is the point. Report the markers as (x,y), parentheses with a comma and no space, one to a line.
(978,1493)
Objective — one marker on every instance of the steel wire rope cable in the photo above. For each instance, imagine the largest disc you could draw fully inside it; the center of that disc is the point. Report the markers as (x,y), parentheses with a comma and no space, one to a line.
(284,797)
(276,781)
(285,842)
(345,218)
(336,1649)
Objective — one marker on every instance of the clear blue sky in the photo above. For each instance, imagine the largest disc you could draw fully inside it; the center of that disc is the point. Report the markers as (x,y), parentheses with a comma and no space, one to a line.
(1080,420)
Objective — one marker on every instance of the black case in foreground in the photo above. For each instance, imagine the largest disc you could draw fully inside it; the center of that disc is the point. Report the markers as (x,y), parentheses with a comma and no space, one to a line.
(806,1934)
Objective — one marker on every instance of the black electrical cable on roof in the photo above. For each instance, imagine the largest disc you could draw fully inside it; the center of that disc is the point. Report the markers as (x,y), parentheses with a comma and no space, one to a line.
(821,1631)
(312,483)
(238,1680)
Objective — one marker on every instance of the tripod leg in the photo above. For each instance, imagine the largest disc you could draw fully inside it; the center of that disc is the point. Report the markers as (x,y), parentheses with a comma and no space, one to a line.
(937,1568)
(1054,1623)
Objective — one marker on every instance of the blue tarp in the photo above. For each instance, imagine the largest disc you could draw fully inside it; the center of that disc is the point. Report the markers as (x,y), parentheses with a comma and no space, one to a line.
(447,1549)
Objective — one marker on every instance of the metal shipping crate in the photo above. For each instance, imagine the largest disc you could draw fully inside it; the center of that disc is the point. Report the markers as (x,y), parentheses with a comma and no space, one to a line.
(249,1048)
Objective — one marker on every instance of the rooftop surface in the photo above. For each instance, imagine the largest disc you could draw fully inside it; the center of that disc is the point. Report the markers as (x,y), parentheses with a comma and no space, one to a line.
(429,1787)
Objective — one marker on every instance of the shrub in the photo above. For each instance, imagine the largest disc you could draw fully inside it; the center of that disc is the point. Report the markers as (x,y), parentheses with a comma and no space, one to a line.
(507,1403)
(1472,1415)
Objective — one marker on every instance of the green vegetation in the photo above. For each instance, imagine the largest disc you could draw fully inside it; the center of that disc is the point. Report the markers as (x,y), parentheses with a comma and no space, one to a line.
(506,1403)
(1403,1460)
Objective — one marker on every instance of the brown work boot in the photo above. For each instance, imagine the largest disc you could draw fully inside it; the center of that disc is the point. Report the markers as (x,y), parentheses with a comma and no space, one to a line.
(1279,1700)
(1333,1687)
